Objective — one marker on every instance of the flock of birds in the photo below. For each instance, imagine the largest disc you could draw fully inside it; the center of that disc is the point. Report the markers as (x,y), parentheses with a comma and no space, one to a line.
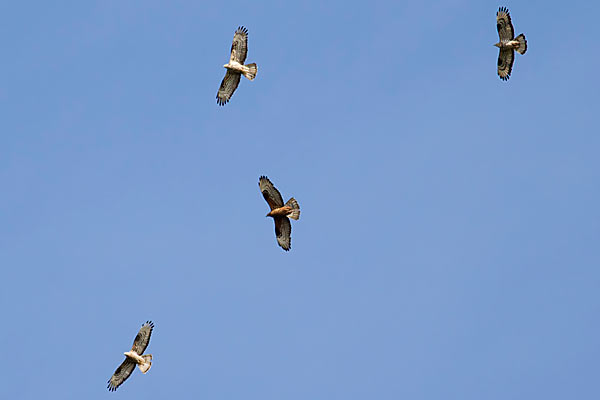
(280,212)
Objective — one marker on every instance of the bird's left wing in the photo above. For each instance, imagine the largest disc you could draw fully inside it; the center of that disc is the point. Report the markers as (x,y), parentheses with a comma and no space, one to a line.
(121,374)
(239,47)
(270,193)
(504,24)
(142,338)
(506,58)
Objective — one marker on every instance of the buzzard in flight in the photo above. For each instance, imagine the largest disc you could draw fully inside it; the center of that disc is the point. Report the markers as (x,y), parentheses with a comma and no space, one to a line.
(279,212)
(508,43)
(236,67)
(134,357)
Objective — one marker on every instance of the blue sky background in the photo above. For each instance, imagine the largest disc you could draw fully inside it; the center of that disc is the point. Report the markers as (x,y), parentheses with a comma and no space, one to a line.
(448,244)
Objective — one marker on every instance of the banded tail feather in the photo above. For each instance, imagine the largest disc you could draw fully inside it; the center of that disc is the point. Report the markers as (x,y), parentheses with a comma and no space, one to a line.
(295,214)
(522,44)
(250,71)
(147,363)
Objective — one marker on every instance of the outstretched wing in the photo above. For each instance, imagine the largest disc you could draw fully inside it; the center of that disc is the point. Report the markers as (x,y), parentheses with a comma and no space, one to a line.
(506,58)
(142,338)
(121,374)
(283,231)
(228,86)
(504,25)
(270,193)
(239,47)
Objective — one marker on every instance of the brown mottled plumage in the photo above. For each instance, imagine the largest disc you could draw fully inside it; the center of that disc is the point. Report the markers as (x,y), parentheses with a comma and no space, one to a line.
(508,43)
(236,67)
(281,213)
(134,357)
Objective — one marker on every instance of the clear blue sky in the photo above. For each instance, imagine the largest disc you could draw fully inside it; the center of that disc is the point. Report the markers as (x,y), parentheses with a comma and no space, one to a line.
(448,244)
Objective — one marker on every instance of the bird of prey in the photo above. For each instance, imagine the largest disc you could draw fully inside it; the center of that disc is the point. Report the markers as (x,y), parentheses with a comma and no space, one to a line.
(508,43)
(235,67)
(134,357)
(279,212)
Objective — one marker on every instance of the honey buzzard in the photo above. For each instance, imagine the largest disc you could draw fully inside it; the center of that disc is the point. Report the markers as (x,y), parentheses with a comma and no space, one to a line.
(134,357)
(236,67)
(508,43)
(279,212)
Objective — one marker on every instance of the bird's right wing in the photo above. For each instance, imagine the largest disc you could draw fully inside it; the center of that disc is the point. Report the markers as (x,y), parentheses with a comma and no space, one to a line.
(121,374)
(228,86)
(283,231)
(506,58)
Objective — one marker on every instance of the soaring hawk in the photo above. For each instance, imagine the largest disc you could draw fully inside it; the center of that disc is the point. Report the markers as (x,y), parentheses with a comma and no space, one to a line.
(279,212)
(134,357)
(508,43)
(236,67)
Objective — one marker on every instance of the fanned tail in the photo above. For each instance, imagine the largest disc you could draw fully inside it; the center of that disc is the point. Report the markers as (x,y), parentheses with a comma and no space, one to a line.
(522,44)
(295,214)
(250,71)
(147,363)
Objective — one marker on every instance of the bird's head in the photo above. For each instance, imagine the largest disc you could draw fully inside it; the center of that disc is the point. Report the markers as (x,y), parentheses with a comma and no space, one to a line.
(128,354)
(226,65)
(497,44)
